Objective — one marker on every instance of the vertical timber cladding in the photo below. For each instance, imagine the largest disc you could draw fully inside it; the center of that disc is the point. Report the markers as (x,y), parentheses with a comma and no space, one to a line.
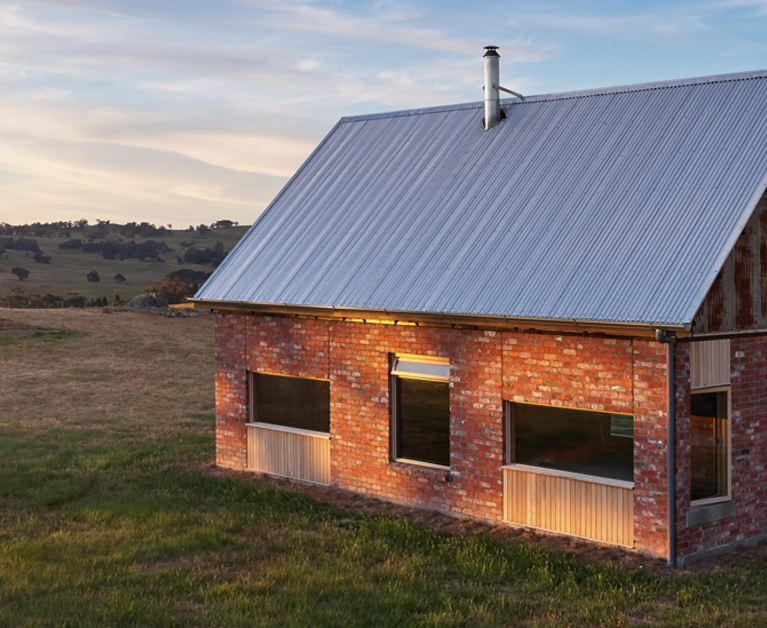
(289,453)
(709,363)
(601,511)
(737,300)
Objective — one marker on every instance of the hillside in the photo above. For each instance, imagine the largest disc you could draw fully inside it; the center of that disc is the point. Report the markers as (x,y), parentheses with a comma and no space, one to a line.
(66,273)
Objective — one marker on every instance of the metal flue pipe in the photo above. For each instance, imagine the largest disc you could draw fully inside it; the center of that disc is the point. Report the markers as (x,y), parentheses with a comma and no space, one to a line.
(492,80)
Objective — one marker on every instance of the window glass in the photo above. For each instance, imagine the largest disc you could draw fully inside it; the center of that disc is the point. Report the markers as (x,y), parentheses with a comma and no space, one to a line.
(291,402)
(709,445)
(423,421)
(578,441)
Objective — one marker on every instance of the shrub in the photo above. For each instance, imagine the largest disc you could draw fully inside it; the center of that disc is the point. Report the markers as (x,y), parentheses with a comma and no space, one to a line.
(21,273)
(93,277)
(175,290)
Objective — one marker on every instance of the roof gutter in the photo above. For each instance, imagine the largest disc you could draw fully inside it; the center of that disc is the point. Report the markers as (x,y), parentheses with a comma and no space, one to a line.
(669,340)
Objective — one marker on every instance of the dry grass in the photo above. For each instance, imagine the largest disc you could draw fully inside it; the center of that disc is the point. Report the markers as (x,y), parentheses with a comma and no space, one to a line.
(129,372)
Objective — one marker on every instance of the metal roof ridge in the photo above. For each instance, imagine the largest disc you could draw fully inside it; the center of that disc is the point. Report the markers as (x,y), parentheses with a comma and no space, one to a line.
(652,85)
(582,93)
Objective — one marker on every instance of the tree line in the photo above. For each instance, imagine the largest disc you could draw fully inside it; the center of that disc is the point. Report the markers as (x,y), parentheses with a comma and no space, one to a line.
(65,229)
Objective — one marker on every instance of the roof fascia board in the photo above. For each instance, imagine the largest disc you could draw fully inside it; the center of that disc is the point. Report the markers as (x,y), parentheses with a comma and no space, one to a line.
(451,320)
(263,214)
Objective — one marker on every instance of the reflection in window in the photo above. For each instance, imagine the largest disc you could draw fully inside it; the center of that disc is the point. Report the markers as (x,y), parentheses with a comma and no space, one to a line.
(577,441)
(709,445)
(295,402)
(421,396)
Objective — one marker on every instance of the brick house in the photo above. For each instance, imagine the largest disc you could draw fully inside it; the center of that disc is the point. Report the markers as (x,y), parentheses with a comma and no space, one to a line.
(548,311)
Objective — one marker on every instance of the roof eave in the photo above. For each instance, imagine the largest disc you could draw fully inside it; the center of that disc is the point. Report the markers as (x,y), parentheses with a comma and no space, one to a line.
(508,323)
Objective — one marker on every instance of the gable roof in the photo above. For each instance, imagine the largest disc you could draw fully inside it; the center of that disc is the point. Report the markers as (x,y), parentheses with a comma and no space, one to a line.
(615,205)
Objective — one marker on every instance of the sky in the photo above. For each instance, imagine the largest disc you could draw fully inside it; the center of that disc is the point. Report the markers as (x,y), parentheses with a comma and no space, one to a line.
(182,112)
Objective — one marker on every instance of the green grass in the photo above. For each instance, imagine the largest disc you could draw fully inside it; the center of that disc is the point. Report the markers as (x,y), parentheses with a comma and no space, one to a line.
(101,526)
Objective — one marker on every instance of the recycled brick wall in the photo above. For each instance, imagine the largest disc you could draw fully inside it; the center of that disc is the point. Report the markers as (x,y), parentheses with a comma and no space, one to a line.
(748,424)
(231,390)
(360,450)
(609,375)
(486,367)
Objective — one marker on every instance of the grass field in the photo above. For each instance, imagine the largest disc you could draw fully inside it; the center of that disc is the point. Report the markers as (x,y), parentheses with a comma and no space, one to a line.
(68,268)
(110,515)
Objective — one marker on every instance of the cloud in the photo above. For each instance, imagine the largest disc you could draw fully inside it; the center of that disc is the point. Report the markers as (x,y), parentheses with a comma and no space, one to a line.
(209,105)
(627,24)
(759,5)
(388,22)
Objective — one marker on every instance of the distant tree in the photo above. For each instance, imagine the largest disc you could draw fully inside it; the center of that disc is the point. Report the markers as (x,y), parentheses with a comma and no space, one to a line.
(21,273)
(22,244)
(73,243)
(17,298)
(40,258)
(97,302)
(74,299)
(97,232)
(203,230)
(190,275)
(93,277)
(175,290)
(114,249)
(213,256)
(119,278)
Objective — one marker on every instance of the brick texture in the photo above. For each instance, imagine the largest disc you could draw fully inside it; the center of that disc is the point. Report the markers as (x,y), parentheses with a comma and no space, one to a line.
(748,377)
(606,374)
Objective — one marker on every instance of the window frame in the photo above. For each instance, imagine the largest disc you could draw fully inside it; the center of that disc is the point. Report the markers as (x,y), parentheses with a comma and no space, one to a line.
(253,414)
(718,499)
(395,375)
(509,454)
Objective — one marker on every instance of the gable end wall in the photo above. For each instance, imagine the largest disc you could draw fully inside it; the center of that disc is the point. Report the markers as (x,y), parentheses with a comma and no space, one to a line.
(737,300)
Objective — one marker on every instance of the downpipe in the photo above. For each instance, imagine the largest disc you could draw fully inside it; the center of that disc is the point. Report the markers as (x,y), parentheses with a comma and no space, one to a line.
(669,339)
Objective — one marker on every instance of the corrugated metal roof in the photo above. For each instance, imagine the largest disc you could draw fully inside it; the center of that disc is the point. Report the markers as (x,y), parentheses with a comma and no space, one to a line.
(614,205)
